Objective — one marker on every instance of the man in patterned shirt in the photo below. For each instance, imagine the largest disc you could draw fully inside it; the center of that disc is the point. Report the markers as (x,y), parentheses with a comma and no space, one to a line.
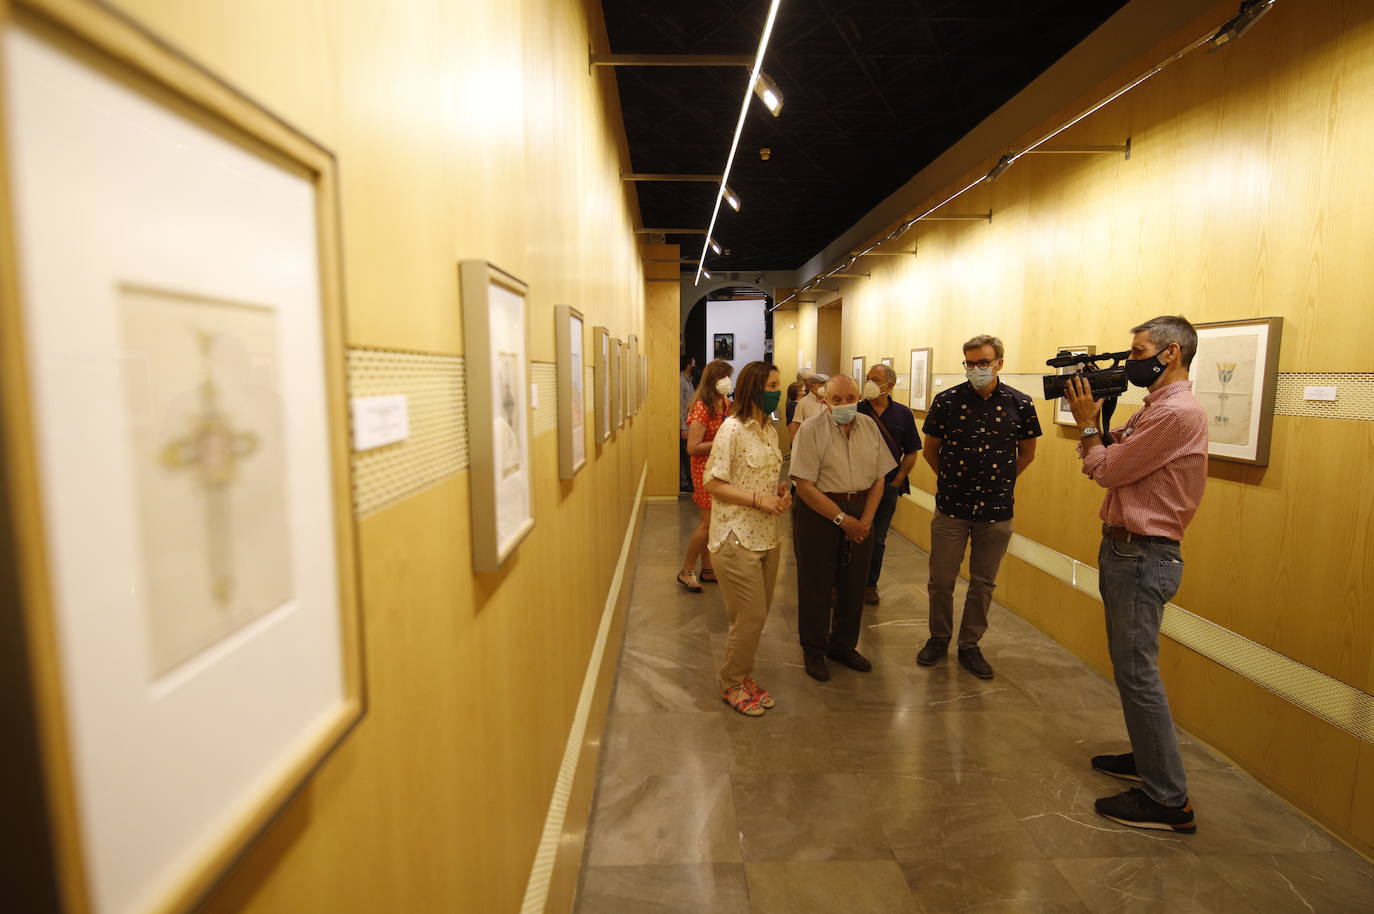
(980,436)
(1154,469)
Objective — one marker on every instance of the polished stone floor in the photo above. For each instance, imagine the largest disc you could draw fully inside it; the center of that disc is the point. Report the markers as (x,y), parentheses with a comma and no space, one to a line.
(905,789)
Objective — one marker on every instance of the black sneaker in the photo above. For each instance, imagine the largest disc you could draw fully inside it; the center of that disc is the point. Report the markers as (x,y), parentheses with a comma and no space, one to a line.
(816,667)
(852,659)
(1118,766)
(1136,809)
(935,649)
(971,659)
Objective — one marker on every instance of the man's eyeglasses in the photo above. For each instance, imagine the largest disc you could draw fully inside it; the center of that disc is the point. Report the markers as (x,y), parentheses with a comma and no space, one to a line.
(984,363)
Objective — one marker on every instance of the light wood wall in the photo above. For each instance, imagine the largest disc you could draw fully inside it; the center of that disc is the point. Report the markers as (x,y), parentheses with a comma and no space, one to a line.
(661,342)
(463,130)
(829,330)
(1246,194)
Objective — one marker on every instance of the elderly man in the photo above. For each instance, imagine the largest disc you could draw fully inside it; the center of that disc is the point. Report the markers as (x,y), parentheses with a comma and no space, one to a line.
(687,387)
(839,464)
(813,404)
(898,427)
(980,436)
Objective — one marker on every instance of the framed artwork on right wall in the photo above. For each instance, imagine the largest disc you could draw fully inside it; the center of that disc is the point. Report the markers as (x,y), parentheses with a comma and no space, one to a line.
(1235,374)
(858,367)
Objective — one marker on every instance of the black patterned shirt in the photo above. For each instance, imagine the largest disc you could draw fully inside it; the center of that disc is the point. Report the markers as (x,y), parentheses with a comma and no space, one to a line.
(978,450)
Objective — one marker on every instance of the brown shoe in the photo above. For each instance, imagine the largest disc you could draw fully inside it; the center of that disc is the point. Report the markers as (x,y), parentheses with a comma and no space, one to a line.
(871,596)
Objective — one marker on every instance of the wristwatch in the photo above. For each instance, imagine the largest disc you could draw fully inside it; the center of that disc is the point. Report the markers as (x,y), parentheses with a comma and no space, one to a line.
(1090,431)
(838,519)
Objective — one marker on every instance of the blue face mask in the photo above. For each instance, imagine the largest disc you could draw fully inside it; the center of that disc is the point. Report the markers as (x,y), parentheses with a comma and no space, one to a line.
(843,415)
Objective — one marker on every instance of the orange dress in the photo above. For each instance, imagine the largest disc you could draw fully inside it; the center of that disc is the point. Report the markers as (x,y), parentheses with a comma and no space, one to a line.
(698,413)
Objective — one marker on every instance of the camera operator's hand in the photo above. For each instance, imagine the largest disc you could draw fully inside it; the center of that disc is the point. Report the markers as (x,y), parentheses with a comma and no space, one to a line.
(1086,410)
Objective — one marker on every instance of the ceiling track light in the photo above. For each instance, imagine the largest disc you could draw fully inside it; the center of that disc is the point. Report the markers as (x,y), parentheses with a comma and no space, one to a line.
(713,244)
(1238,25)
(731,197)
(768,93)
(739,129)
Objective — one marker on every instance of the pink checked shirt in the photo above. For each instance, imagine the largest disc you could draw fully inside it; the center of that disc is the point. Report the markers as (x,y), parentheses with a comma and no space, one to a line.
(1155,471)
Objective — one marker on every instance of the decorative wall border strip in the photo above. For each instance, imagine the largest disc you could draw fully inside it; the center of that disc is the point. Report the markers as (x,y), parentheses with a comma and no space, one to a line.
(435,388)
(1336,702)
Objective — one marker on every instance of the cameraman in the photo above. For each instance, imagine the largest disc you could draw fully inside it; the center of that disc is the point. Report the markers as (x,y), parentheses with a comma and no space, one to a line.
(1154,471)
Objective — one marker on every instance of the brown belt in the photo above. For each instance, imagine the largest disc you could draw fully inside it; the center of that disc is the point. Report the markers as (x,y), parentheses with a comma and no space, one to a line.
(1122,535)
(845,496)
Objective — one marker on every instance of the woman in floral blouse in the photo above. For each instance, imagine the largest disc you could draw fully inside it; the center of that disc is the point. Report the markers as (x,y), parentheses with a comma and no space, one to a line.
(742,475)
(709,409)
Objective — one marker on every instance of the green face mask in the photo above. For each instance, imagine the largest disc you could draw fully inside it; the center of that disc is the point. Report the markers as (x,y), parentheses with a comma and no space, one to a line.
(768,399)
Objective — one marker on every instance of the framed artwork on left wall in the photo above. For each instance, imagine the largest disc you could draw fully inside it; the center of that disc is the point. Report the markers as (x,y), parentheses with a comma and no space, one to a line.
(572,427)
(601,349)
(175,455)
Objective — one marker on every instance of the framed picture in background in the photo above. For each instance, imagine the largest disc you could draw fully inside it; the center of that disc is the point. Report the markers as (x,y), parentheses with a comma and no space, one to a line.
(174,400)
(921,378)
(572,426)
(632,366)
(888,360)
(858,368)
(1235,375)
(1062,414)
(498,390)
(616,361)
(601,350)
(723,346)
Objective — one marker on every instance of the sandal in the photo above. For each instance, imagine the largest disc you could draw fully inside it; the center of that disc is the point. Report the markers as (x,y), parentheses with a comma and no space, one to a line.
(759,693)
(711,579)
(739,698)
(688,580)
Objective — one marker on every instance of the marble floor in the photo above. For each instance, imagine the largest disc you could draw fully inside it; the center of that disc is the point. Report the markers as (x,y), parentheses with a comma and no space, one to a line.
(905,789)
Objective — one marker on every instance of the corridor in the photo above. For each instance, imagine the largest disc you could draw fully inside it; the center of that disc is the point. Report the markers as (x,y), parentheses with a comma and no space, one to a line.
(905,789)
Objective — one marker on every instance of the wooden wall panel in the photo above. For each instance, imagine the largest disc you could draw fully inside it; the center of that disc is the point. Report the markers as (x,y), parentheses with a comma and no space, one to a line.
(661,342)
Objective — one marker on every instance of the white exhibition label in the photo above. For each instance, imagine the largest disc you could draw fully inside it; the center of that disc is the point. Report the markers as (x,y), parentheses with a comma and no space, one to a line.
(379,420)
(1319,393)
(534,396)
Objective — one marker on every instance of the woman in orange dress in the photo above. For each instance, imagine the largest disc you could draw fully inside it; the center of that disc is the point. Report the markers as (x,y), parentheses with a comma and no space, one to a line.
(709,409)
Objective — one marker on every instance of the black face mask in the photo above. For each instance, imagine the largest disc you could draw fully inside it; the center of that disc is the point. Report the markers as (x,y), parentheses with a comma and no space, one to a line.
(1144,372)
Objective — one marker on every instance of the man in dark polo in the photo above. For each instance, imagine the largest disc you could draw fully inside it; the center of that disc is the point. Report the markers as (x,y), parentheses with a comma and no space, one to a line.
(980,436)
(897,425)
(839,465)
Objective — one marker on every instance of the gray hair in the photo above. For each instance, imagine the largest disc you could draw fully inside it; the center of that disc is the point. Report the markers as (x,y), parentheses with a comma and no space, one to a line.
(1167,329)
(819,377)
(889,373)
(983,339)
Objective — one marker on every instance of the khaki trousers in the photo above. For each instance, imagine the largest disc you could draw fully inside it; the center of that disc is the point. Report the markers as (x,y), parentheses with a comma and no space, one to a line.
(746,582)
(948,538)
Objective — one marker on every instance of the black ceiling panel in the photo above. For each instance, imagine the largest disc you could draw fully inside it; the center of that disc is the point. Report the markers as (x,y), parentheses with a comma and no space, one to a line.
(874,90)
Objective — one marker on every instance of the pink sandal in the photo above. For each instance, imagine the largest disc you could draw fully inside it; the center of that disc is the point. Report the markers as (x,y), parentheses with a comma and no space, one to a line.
(742,700)
(759,693)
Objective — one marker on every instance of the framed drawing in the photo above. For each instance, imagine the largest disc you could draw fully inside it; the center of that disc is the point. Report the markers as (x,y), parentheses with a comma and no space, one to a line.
(627,381)
(1062,414)
(921,378)
(1235,374)
(723,346)
(175,455)
(498,392)
(858,367)
(633,367)
(601,348)
(617,398)
(572,426)
(887,360)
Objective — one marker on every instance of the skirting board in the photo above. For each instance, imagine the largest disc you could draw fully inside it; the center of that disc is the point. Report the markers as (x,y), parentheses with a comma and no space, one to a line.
(553,875)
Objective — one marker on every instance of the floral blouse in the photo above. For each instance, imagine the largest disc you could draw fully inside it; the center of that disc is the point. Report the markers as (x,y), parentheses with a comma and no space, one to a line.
(745,455)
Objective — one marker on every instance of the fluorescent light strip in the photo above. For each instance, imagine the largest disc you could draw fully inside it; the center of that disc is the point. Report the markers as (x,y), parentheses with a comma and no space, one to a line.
(739,129)
(906,226)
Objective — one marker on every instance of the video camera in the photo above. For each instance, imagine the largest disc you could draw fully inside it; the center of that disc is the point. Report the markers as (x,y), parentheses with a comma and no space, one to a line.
(1104,382)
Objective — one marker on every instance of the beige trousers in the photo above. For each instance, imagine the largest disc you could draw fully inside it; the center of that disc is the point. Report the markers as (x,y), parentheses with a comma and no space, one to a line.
(746,582)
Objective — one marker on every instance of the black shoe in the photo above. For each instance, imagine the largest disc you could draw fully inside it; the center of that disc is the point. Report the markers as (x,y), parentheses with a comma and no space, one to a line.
(816,667)
(971,659)
(935,649)
(1118,766)
(1136,809)
(852,659)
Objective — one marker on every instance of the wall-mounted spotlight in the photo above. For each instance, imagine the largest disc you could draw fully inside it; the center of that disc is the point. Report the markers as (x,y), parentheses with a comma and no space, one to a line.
(769,93)
(731,198)
(1238,25)
(715,245)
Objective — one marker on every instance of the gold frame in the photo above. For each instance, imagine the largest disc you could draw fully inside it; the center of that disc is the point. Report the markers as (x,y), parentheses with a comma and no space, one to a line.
(602,396)
(929,380)
(563,332)
(106,39)
(1265,415)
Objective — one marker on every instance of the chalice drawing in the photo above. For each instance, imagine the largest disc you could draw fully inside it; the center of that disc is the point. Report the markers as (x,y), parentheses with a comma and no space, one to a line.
(1225,371)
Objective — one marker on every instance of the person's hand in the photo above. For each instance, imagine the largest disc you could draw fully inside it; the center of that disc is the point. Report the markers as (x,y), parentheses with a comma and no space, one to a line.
(772,504)
(895,484)
(854,529)
(682,433)
(1080,396)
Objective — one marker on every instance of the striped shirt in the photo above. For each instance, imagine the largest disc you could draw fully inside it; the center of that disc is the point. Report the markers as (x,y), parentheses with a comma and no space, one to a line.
(1155,471)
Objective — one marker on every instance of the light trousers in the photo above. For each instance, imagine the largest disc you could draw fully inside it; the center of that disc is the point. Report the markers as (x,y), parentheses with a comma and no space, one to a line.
(948,538)
(746,579)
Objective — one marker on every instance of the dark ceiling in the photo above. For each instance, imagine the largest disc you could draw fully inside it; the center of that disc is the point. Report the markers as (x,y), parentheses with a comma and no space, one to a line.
(874,90)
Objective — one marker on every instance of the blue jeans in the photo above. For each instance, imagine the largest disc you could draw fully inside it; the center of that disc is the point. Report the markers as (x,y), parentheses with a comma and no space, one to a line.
(1136,580)
(882,519)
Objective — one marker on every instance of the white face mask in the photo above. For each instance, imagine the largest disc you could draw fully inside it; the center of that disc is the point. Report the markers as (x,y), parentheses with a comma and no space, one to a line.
(843,415)
(979,377)
(871,390)
(723,387)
